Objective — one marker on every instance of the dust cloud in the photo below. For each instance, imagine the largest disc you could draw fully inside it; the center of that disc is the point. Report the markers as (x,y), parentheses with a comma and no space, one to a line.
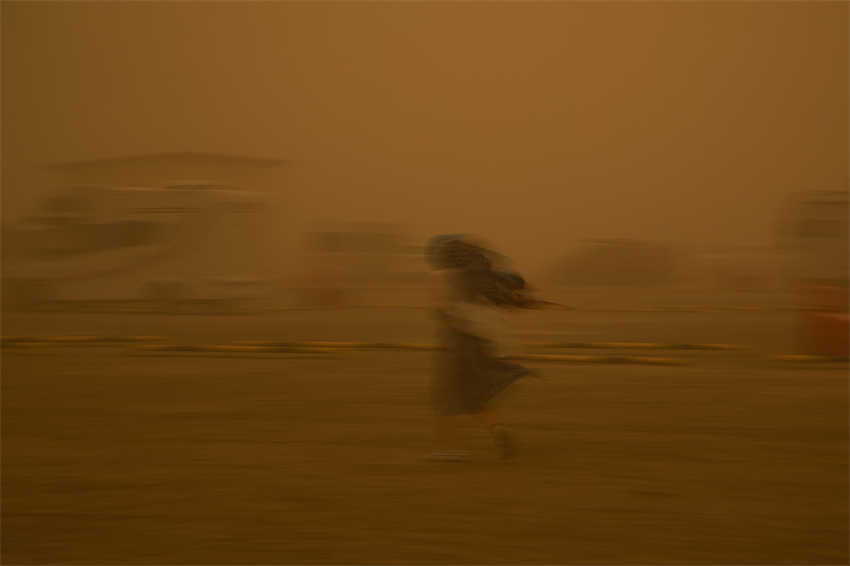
(251,186)
(535,125)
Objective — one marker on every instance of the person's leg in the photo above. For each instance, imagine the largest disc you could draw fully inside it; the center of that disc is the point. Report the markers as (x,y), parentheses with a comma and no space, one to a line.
(448,440)
(446,433)
(504,441)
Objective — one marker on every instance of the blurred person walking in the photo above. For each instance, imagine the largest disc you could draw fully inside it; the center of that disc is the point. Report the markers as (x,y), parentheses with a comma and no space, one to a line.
(470,299)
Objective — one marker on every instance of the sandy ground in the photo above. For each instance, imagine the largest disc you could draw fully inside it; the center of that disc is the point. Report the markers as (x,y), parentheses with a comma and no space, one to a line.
(115,459)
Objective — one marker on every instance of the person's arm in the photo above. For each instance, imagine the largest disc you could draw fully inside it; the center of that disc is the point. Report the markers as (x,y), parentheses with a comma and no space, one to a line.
(532,303)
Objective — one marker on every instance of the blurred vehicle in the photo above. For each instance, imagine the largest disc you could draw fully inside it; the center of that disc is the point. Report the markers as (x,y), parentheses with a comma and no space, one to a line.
(358,263)
(617,262)
(158,246)
(742,268)
(814,238)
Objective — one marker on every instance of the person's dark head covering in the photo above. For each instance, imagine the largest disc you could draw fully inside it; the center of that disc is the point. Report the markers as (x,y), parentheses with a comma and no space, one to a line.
(511,280)
(481,281)
(455,251)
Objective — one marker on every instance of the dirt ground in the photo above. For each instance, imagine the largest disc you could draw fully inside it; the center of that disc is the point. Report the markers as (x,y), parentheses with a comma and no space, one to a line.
(110,458)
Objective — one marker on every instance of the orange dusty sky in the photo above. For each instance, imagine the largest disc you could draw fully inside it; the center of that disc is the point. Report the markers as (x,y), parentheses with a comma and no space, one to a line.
(532,123)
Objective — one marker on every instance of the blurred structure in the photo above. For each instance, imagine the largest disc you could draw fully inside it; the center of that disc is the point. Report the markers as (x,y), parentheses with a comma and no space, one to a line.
(357,263)
(156,169)
(741,268)
(105,241)
(814,239)
(617,262)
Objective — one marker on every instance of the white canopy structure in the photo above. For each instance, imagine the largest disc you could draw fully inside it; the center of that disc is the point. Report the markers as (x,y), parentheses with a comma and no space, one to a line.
(180,239)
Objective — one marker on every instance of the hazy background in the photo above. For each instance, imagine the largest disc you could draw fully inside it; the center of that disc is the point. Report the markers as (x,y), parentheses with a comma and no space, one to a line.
(532,124)
(163,398)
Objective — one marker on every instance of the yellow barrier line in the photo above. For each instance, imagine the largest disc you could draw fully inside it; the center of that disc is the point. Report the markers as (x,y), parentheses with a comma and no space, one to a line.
(326,344)
(636,345)
(235,349)
(272,349)
(228,348)
(653,361)
(687,309)
(78,339)
(71,339)
(551,358)
(301,344)
(807,358)
(45,339)
(626,345)
(597,345)
(124,339)
(643,360)
(33,341)
(342,345)
(406,346)
(167,348)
